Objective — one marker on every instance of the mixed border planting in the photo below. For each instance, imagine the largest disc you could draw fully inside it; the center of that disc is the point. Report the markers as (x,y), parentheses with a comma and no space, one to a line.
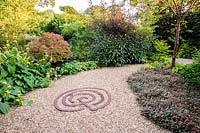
(37,48)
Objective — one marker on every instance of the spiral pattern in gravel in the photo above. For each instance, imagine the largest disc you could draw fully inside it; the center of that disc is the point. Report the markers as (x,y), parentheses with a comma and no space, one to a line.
(82,98)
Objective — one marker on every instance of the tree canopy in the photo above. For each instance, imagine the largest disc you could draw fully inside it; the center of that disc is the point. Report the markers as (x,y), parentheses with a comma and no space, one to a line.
(18,17)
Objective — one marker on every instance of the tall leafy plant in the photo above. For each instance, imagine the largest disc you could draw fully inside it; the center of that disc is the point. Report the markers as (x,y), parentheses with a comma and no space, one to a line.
(118,50)
(19,74)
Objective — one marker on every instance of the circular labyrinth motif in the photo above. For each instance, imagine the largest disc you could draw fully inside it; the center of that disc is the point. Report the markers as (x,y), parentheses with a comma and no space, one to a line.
(79,99)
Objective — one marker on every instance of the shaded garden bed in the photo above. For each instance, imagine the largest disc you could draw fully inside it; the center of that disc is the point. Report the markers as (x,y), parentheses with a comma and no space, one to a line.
(167,99)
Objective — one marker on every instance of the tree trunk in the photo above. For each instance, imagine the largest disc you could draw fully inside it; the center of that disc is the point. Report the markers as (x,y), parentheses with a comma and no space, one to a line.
(176,44)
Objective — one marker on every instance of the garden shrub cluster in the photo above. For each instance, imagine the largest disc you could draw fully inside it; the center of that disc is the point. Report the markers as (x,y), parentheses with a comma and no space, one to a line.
(55,25)
(19,74)
(80,37)
(76,31)
(167,99)
(53,45)
(189,40)
(118,50)
(75,67)
(186,51)
(117,42)
(191,72)
(160,56)
(70,42)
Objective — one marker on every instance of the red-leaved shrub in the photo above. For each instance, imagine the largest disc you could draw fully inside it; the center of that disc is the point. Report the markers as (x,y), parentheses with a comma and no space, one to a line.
(53,45)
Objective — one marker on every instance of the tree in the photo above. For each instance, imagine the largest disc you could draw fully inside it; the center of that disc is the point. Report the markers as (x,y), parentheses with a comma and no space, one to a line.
(17,17)
(68,9)
(180,9)
(190,31)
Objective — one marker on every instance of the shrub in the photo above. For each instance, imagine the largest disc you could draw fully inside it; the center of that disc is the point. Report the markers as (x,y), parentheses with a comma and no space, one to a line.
(186,51)
(178,67)
(53,45)
(160,56)
(74,29)
(112,20)
(159,64)
(20,74)
(116,24)
(75,67)
(161,50)
(55,25)
(196,57)
(117,50)
(80,37)
(191,72)
(167,100)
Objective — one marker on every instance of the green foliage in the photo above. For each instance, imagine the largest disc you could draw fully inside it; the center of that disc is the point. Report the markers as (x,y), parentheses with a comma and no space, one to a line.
(165,30)
(159,64)
(196,56)
(75,67)
(96,11)
(72,29)
(80,37)
(161,51)
(55,25)
(191,72)
(68,9)
(4,108)
(191,31)
(17,18)
(75,29)
(160,56)
(20,74)
(147,16)
(117,50)
(53,45)
(186,51)
(47,16)
(178,67)
(167,99)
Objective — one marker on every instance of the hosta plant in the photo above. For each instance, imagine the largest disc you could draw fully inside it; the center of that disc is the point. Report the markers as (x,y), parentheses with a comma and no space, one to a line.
(19,74)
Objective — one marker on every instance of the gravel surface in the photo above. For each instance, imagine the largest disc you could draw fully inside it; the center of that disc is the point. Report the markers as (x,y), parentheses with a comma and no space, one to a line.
(122,115)
(184,61)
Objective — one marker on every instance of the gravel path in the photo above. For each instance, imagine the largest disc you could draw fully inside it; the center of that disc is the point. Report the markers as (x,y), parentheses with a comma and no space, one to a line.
(122,115)
(184,61)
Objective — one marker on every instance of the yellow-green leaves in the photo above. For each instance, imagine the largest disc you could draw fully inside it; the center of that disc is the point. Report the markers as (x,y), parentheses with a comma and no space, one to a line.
(133,2)
(18,17)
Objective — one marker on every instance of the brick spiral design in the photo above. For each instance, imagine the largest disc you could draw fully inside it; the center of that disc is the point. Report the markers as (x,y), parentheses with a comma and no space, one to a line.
(82,98)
